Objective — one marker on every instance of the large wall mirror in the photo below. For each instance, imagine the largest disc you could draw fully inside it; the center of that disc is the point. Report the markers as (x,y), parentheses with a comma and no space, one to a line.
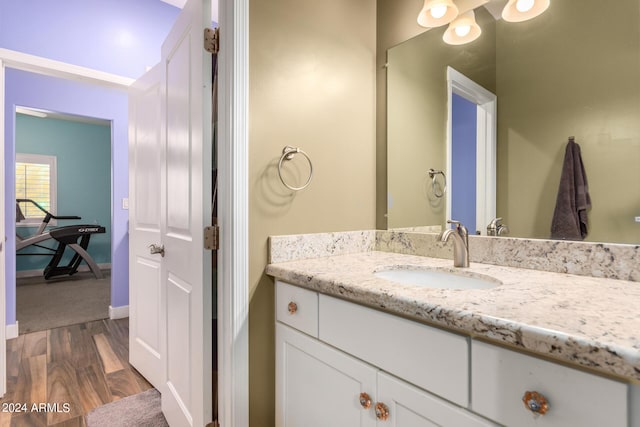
(572,71)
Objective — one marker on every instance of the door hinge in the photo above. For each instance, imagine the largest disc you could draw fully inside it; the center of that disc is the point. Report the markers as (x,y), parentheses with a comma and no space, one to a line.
(212,238)
(212,40)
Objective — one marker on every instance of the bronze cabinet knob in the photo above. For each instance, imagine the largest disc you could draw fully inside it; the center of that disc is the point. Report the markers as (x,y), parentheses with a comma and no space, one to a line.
(382,412)
(365,400)
(535,402)
(292,307)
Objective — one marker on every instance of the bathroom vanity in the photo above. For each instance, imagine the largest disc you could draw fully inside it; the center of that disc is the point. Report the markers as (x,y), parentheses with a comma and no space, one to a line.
(539,349)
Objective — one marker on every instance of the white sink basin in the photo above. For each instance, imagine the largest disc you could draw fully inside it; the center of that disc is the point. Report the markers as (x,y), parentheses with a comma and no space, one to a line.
(437,278)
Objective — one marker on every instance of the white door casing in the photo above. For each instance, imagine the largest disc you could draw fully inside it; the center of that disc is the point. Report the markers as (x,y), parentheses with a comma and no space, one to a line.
(3,307)
(145,304)
(186,189)
(233,213)
(486,137)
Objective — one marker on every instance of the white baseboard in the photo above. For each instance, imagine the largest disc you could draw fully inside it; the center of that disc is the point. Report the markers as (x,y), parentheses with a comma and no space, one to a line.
(118,312)
(36,273)
(11,331)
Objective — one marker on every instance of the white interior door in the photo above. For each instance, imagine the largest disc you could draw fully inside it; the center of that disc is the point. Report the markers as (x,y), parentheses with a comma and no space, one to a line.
(186,188)
(145,303)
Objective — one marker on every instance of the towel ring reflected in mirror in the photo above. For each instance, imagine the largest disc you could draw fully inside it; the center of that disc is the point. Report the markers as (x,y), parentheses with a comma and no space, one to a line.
(434,183)
(288,153)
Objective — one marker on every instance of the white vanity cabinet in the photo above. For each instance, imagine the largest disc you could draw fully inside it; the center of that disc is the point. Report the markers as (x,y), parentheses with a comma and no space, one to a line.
(337,380)
(343,364)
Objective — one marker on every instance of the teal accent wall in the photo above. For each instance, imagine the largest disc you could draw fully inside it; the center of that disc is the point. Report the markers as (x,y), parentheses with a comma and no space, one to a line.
(83,152)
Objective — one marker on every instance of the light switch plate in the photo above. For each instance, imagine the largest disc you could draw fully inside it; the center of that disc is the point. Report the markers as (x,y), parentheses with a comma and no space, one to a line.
(125,203)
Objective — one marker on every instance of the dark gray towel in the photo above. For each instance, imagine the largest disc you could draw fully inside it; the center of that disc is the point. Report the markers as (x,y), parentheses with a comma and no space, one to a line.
(570,220)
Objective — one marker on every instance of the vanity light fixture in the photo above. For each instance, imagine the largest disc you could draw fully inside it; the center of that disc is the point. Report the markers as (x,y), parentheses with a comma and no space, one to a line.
(522,10)
(436,13)
(463,29)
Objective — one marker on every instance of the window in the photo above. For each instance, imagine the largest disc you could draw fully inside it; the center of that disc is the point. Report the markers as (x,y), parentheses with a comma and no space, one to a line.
(36,180)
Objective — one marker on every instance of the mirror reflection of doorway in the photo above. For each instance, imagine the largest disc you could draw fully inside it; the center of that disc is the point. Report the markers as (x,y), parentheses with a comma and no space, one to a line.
(63,166)
(463,165)
(471,152)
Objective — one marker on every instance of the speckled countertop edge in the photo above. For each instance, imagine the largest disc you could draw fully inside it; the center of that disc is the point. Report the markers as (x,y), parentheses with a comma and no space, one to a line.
(585,321)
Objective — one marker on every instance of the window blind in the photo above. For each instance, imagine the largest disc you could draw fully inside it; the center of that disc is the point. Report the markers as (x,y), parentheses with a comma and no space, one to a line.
(33,181)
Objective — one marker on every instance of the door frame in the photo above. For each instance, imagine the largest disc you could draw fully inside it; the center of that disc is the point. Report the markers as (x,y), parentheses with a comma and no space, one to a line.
(486,137)
(233,213)
(233,288)
(3,294)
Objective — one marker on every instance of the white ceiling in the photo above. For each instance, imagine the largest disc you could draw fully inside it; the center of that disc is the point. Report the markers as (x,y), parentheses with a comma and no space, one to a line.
(180,4)
(495,8)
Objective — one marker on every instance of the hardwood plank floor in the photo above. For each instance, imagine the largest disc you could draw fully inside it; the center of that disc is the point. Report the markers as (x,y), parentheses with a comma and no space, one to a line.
(56,377)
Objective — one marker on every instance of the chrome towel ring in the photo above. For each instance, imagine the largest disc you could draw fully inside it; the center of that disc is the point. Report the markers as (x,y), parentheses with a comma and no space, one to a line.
(434,184)
(288,153)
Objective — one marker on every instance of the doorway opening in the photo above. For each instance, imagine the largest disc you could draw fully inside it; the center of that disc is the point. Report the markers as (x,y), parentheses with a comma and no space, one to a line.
(83,131)
(63,200)
(463,165)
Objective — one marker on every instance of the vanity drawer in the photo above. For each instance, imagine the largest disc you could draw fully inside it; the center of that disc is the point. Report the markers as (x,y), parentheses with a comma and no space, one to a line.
(427,357)
(297,307)
(500,378)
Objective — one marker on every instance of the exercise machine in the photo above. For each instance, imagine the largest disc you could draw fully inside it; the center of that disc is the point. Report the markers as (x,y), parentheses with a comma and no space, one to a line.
(75,237)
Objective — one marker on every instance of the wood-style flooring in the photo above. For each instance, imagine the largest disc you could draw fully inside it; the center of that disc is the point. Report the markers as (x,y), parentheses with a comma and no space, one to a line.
(74,369)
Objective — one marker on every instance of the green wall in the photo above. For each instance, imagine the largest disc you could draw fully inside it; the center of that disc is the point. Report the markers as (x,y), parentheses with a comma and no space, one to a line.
(83,152)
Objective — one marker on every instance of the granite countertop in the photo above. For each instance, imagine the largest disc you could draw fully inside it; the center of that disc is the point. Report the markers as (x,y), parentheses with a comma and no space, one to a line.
(586,321)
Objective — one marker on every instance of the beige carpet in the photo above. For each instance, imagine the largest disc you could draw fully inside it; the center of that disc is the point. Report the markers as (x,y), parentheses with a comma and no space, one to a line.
(65,301)
(139,410)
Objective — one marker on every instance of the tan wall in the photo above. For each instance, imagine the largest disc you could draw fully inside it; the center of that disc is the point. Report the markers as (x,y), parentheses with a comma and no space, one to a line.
(396,23)
(312,85)
(417,116)
(591,91)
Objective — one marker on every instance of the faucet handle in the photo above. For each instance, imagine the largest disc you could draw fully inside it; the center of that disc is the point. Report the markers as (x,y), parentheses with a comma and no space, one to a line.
(496,228)
(460,228)
(495,222)
(458,224)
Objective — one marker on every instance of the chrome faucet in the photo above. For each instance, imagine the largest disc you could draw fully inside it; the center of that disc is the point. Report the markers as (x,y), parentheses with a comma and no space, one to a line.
(460,243)
(495,228)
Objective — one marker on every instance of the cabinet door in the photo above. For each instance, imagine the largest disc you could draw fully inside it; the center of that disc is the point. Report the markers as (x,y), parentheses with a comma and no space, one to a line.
(318,386)
(409,406)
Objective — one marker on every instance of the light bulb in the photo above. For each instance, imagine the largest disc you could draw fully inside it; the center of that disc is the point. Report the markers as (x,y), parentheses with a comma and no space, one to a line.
(462,30)
(524,5)
(438,11)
